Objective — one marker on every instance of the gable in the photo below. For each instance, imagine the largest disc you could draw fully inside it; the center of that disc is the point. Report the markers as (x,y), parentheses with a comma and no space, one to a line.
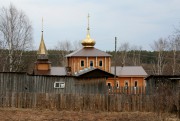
(94,73)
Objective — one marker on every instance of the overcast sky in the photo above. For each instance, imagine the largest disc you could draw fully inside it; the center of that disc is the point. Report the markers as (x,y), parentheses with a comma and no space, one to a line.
(138,22)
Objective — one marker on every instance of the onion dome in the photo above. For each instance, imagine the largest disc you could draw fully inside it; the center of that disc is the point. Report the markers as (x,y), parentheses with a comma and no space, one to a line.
(88,42)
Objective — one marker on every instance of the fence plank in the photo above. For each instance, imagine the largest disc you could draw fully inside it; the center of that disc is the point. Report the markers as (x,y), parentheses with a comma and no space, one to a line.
(94,102)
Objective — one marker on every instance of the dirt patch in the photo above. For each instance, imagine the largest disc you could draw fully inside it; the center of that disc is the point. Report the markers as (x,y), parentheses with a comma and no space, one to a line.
(12,114)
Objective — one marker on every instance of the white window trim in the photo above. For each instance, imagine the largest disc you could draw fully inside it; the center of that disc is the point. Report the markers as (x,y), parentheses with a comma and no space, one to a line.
(80,64)
(102,63)
(90,63)
(117,82)
(61,85)
(109,83)
(125,82)
(137,83)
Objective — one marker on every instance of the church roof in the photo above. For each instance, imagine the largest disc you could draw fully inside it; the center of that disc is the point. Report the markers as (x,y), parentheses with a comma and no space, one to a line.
(54,71)
(93,73)
(129,71)
(58,71)
(42,47)
(88,52)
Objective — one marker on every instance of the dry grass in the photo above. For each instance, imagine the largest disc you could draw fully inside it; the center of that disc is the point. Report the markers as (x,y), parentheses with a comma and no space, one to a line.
(12,114)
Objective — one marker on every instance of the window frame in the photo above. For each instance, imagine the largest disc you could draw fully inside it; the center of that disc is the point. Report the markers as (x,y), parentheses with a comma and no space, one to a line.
(126,81)
(83,63)
(117,83)
(135,81)
(60,86)
(109,85)
(101,63)
(90,63)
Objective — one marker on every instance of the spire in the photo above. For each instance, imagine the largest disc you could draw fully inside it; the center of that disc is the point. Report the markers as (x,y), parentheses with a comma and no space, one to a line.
(42,24)
(42,48)
(88,42)
(88,29)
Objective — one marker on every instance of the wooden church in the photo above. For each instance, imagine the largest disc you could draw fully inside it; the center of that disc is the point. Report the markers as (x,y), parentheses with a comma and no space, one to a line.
(88,57)
(90,63)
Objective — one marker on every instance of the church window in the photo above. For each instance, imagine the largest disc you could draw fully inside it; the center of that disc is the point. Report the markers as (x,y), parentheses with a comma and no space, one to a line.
(117,84)
(109,85)
(91,63)
(126,84)
(82,63)
(100,63)
(135,86)
(136,83)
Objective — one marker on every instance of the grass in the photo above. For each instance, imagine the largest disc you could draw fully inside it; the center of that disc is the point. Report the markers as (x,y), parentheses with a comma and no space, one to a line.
(13,114)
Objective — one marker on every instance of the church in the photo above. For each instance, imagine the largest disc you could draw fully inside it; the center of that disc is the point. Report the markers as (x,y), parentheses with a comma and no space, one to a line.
(90,63)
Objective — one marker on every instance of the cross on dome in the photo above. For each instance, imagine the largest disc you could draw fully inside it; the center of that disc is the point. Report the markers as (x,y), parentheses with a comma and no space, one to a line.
(88,42)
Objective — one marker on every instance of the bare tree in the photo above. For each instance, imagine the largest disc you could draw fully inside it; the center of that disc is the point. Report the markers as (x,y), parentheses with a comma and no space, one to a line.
(174,47)
(77,45)
(16,36)
(65,48)
(136,55)
(123,50)
(160,46)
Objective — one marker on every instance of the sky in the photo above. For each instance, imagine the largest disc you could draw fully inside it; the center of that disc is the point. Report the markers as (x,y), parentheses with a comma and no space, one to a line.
(137,22)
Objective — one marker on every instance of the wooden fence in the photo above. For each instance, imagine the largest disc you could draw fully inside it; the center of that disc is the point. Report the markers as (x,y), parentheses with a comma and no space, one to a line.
(23,91)
(80,102)
(21,82)
(127,90)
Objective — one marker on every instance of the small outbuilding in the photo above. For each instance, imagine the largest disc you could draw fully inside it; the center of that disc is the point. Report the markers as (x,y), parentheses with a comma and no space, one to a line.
(167,82)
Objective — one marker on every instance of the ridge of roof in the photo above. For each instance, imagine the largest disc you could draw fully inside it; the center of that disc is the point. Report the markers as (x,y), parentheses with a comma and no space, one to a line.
(88,52)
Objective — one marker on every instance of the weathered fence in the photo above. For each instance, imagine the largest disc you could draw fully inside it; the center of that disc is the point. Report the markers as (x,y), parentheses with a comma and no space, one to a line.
(21,82)
(93,102)
(25,91)
(127,90)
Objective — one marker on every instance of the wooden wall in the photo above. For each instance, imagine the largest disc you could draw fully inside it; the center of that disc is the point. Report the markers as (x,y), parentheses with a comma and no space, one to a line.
(21,82)
(75,63)
(162,84)
(131,81)
(24,91)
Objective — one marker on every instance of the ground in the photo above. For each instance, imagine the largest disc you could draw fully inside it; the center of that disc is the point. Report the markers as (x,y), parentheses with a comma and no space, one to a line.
(12,114)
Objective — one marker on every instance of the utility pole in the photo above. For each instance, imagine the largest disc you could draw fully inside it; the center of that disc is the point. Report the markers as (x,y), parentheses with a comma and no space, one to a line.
(115,65)
(179,102)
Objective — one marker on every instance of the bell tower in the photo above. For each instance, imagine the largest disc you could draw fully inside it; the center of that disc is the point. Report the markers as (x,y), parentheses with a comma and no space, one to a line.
(42,65)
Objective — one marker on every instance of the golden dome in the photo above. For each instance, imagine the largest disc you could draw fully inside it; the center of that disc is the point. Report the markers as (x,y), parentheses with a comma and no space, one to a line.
(42,47)
(88,42)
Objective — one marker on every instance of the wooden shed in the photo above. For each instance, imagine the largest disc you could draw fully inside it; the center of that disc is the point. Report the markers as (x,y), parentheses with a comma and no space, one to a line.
(85,82)
(155,82)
